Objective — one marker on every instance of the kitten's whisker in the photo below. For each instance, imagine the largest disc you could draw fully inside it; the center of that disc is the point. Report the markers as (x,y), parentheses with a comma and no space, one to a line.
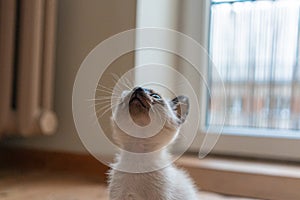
(159,112)
(97,99)
(118,87)
(103,108)
(104,91)
(116,77)
(163,110)
(103,88)
(160,117)
(112,88)
(113,92)
(95,120)
(124,81)
(107,98)
(104,112)
(100,103)
(108,94)
(106,106)
(110,101)
(107,109)
(129,83)
(96,112)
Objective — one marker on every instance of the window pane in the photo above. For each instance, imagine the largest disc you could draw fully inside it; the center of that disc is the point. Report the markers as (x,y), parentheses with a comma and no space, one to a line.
(255,46)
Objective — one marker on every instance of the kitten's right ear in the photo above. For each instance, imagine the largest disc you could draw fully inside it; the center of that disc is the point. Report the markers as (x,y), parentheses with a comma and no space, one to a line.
(180,106)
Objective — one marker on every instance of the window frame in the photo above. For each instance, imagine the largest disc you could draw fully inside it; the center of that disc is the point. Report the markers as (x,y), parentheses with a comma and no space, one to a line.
(264,144)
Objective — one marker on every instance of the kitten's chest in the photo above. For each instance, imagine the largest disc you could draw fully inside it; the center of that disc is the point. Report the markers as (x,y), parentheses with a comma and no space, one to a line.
(152,185)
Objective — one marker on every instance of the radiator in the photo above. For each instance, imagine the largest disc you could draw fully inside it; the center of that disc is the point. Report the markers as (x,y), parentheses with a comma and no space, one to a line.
(27,49)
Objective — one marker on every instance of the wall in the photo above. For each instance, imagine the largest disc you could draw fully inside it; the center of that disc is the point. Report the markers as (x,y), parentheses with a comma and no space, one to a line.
(164,16)
(82,24)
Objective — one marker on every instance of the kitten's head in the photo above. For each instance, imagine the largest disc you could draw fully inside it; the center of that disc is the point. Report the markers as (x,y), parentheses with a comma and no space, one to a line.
(142,107)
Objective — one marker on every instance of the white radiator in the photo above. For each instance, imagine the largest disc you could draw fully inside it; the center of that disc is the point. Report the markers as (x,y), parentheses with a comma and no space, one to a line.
(27,48)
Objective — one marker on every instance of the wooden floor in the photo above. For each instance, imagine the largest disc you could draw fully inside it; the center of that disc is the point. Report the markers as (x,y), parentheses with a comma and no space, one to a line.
(45,185)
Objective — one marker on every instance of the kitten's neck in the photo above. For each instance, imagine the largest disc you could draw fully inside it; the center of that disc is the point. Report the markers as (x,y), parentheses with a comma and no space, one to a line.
(142,162)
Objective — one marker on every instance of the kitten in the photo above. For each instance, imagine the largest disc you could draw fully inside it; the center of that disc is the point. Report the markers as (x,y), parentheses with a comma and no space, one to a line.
(143,169)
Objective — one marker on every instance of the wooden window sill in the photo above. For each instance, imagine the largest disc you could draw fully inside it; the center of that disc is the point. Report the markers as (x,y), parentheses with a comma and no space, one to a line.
(257,179)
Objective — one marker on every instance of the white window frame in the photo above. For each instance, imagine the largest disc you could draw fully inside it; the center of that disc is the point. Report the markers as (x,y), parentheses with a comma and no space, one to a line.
(233,141)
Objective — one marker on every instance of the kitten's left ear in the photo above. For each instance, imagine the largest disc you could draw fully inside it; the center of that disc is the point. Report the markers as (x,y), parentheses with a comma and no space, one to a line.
(181,106)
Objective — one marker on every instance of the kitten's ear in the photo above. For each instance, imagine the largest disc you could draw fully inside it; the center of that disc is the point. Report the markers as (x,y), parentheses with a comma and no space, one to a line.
(181,106)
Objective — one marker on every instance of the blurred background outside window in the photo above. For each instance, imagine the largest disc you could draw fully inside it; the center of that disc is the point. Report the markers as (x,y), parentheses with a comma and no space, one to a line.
(255,45)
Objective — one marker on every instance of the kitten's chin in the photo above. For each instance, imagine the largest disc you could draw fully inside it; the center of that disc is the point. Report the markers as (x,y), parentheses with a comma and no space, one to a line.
(139,114)
(142,120)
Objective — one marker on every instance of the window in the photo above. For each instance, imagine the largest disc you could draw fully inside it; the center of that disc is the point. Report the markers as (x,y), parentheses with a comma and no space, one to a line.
(255,47)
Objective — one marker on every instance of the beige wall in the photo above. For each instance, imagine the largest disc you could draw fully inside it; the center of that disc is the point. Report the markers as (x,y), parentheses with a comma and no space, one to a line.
(82,24)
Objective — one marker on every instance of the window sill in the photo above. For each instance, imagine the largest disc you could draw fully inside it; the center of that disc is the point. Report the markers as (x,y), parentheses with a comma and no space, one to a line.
(249,178)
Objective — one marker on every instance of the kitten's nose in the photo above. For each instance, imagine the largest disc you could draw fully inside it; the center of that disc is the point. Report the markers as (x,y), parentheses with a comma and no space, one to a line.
(139,89)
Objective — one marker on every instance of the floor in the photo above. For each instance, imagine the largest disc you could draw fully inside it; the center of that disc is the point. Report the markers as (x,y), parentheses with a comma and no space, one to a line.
(45,185)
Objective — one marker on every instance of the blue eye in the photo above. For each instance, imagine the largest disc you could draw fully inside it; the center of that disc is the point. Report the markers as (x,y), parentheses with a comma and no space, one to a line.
(156,96)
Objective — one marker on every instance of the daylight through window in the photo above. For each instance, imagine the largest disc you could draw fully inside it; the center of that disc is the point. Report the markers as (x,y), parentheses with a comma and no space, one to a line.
(255,47)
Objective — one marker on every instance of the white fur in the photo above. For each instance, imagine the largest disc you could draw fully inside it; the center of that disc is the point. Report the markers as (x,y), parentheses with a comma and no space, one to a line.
(166,183)
(169,183)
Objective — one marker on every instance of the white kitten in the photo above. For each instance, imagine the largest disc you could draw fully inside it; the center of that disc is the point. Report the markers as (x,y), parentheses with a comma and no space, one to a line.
(143,169)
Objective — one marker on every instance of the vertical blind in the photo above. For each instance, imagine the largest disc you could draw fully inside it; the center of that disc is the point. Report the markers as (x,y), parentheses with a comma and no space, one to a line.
(255,45)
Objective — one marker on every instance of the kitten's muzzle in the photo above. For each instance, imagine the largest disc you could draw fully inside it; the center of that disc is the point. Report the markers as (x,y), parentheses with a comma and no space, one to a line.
(140,96)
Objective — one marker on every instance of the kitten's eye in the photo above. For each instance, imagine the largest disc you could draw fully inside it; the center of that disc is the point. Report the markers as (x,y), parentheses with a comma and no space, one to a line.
(156,96)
